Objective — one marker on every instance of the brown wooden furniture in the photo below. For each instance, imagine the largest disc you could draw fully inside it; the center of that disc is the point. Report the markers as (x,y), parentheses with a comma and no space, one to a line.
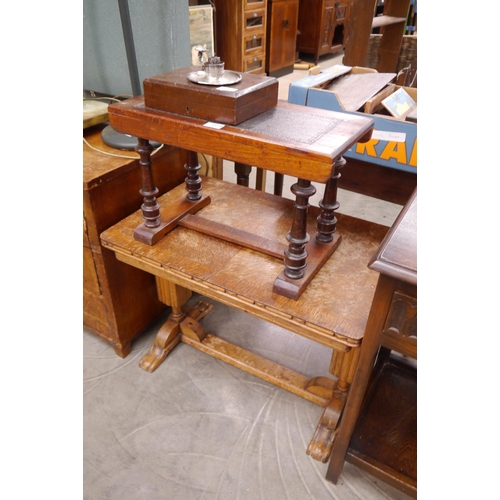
(392,26)
(332,310)
(378,429)
(282,21)
(232,249)
(240,27)
(289,139)
(232,104)
(323,26)
(118,300)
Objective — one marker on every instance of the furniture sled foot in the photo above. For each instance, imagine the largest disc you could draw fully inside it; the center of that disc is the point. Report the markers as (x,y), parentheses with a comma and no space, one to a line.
(320,446)
(166,339)
(169,335)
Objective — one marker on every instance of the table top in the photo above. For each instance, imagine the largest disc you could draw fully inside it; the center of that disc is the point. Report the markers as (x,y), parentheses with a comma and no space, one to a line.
(290,139)
(337,301)
(397,255)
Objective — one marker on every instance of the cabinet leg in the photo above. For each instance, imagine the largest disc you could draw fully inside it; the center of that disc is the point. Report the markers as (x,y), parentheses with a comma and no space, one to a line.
(122,350)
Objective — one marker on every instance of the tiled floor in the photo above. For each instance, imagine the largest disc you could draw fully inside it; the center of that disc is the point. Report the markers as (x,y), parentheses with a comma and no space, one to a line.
(198,428)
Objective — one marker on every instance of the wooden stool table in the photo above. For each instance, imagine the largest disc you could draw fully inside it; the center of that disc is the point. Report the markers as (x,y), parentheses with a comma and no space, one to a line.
(251,250)
(306,143)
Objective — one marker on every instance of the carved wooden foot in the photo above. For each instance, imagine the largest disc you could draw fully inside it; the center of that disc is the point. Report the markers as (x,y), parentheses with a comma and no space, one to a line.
(166,339)
(321,444)
(169,335)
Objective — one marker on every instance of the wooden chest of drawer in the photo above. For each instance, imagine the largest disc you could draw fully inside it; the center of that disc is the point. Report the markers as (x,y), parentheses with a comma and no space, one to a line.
(241,34)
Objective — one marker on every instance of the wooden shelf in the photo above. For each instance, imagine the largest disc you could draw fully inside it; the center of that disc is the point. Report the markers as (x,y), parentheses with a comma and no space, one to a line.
(380,21)
(384,442)
(392,23)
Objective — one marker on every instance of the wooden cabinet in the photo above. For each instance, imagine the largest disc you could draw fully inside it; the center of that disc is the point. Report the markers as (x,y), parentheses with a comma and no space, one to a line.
(282,22)
(378,430)
(391,23)
(240,27)
(118,300)
(322,26)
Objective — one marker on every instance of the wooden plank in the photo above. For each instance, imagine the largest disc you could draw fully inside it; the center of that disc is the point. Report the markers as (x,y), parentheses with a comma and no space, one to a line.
(380,21)
(169,219)
(256,365)
(238,236)
(375,103)
(353,90)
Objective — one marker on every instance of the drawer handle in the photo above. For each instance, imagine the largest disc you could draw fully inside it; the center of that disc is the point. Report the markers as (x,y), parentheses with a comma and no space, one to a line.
(255,14)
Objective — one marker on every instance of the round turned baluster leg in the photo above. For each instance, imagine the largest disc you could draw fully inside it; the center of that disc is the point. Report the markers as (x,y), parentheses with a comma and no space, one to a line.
(150,207)
(296,254)
(327,222)
(193,179)
(242,172)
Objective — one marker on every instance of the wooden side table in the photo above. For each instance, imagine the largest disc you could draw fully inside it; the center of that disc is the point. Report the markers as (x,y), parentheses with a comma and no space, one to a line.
(118,301)
(233,244)
(378,429)
(333,309)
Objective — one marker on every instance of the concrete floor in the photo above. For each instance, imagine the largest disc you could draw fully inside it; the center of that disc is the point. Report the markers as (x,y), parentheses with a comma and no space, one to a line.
(198,428)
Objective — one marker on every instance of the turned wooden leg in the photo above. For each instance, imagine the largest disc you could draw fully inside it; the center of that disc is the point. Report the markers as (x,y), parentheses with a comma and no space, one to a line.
(303,257)
(193,179)
(296,254)
(278,184)
(326,221)
(242,173)
(155,228)
(150,207)
(260,179)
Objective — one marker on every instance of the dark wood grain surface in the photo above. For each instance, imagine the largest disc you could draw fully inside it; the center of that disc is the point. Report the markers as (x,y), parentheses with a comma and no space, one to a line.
(397,256)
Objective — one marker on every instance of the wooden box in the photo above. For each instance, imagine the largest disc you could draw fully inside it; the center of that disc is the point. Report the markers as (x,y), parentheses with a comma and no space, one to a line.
(228,104)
